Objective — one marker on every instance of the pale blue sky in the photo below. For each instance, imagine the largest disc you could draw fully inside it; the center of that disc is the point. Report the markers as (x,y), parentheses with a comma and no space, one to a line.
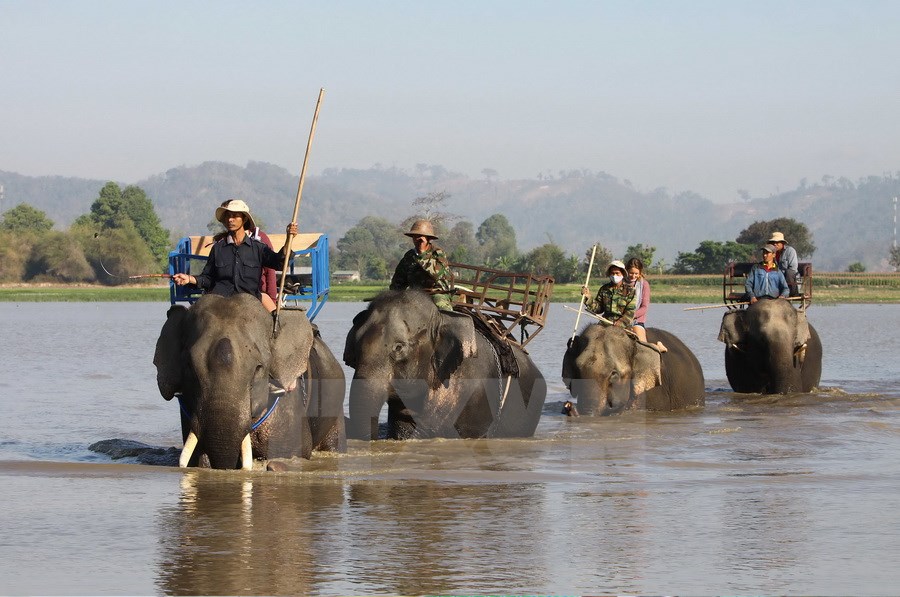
(704,96)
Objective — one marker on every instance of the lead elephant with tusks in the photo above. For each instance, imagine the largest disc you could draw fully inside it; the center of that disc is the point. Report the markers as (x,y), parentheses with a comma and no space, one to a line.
(437,374)
(609,371)
(770,348)
(245,392)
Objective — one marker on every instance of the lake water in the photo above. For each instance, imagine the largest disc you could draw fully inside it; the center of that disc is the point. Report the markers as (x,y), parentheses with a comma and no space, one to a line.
(752,494)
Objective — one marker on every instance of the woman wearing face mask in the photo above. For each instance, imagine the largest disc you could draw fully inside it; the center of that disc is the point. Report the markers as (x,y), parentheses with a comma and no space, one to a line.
(615,301)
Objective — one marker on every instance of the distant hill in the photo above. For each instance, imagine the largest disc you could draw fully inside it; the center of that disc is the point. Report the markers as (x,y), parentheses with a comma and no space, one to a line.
(849,221)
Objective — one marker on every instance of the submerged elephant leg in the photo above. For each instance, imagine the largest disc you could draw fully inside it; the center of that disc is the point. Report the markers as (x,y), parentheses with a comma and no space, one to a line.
(367,397)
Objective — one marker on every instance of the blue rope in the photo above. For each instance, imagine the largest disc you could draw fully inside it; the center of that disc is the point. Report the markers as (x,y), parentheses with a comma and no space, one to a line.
(253,427)
(266,416)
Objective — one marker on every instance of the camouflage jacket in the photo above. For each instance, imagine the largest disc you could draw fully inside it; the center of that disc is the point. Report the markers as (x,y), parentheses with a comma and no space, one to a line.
(614,304)
(429,271)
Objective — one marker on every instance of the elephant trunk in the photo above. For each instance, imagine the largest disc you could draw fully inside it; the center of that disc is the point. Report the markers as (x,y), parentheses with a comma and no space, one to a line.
(223,415)
(783,367)
(367,397)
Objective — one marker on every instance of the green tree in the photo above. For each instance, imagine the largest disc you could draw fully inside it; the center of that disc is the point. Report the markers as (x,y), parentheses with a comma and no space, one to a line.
(106,210)
(795,233)
(711,257)
(25,218)
(139,209)
(15,250)
(114,209)
(115,253)
(497,239)
(895,258)
(377,269)
(372,237)
(645,254)
(59,257)
(550,259)
(460,244)
(856,267)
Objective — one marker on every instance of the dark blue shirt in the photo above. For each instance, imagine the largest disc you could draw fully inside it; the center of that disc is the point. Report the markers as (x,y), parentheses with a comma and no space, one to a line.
(233,268)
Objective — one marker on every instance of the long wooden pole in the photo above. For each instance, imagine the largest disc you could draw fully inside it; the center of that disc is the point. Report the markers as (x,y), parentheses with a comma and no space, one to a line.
(290,237)
(792,298)
(587,279)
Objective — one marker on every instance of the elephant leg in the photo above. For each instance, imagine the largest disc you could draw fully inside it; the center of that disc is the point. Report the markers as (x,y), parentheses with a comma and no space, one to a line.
(811,372)
(326,408)
(367,396)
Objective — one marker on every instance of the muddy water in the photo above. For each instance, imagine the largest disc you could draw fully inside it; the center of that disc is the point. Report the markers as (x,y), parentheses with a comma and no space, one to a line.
(791,494)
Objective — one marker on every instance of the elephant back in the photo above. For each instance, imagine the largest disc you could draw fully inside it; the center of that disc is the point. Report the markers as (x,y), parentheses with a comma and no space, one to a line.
(682,382)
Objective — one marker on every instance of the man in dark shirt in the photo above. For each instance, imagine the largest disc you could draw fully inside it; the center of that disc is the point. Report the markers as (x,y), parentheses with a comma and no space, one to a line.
(235,262)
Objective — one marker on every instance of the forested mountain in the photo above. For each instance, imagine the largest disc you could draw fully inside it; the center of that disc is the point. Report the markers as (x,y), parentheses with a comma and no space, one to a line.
(849,221)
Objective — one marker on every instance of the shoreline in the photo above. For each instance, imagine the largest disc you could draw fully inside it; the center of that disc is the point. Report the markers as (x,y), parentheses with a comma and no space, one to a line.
(662,292)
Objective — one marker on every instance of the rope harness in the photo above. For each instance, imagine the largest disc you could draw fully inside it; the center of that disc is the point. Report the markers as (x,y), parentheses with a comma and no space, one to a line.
(503,389)
(302,387)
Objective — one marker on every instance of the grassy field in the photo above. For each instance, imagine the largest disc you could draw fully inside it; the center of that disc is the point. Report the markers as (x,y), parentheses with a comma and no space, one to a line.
(828,289)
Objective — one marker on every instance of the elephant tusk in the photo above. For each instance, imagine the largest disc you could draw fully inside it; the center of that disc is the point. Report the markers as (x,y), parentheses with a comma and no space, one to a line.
(800,353)
(189,444)
(246,454)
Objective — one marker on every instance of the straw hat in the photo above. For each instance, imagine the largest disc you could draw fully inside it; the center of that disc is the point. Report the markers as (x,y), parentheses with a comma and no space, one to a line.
(421,228)
(617,264)
(237,206)
(777,237)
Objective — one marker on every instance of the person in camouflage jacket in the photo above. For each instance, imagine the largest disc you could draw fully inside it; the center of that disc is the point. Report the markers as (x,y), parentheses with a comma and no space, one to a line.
(425,267)
(615,301)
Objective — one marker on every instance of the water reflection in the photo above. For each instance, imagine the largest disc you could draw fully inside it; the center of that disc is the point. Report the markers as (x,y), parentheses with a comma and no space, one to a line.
(234,534)
(427,538)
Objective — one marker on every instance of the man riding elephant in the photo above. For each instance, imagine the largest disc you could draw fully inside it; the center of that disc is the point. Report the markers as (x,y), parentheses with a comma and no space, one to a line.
(786,258)
(425,267)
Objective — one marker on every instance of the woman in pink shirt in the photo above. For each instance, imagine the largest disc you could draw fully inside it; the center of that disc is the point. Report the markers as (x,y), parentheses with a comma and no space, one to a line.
(635,270)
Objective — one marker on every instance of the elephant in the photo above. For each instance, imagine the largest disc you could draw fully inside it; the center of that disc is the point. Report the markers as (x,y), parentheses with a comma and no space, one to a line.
(609,370)
(228,367)
(770,348)
(439,376)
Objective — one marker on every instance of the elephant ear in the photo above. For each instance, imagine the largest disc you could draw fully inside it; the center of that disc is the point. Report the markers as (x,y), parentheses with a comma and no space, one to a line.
(645,368)
(291,347)
(169,356)
(575,347)
(454,341)
(734,327)
(351,359)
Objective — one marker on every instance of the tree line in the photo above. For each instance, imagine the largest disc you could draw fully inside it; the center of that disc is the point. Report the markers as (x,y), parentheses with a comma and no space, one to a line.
(375,244)
(122,235)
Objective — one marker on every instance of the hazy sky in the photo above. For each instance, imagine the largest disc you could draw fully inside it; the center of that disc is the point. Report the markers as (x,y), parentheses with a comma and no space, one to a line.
(704,96)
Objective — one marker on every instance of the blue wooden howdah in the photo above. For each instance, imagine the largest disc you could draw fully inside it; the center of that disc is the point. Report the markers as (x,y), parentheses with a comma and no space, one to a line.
(308,279)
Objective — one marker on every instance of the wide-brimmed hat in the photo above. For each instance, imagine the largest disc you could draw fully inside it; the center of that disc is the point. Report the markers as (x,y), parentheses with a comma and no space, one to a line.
(777,237)
(237,206)
(769,248)
(421,228)
(617,264)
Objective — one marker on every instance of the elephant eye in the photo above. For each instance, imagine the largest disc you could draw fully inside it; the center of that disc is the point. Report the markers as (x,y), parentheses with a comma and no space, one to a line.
(614,376)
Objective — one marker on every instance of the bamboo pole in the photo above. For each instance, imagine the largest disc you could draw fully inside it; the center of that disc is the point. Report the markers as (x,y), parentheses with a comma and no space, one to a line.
(290,237)
(792,298)
(587,279)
